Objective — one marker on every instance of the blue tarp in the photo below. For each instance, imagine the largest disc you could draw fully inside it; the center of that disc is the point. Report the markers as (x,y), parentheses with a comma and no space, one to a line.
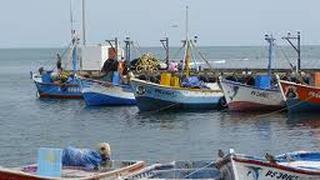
(87,158)
(193,82)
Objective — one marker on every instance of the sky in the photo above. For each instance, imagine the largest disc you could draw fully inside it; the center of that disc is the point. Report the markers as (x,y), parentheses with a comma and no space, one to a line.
(46,23)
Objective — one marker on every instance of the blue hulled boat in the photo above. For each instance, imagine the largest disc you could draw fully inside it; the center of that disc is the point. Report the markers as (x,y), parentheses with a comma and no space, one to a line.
(58,83)
(47,88)
(103,93)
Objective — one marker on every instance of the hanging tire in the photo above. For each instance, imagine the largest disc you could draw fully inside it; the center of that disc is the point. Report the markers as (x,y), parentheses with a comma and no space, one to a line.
(222,103)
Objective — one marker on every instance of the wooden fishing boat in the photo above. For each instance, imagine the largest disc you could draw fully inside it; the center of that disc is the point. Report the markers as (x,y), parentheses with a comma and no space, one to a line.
(98,93)
(171,93)
(253,93)
(179,170)
(114,171)
(291,166)
(59,90)
(156,97)
(300,97)
(242,97)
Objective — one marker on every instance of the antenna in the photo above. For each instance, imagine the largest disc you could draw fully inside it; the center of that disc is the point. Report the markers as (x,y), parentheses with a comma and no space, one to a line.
(83,23)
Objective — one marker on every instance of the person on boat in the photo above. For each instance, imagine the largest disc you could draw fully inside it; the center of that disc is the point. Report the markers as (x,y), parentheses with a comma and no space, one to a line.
(87,158)
(108,67)
(172,67)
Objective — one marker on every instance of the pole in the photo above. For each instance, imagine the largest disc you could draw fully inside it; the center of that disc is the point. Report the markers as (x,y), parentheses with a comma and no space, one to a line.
(116,46)
(299,54)
(270,40)
(128,49)
(83,23)
(297,48)
(166,47)
(71,20)
(187,23)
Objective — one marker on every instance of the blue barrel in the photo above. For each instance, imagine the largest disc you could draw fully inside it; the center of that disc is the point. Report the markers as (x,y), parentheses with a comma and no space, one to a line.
(115,78)
(263,81)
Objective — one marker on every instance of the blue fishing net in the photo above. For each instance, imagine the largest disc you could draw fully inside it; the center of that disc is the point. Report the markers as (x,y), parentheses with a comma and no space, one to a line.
(86,158)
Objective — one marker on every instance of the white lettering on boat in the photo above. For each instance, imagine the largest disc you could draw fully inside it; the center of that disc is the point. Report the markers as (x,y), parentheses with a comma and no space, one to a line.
(314,94)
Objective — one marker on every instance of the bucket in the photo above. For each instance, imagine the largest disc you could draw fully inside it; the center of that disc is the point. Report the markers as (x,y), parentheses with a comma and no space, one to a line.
(165,79)
(175,81)
(317,79)
(263,81)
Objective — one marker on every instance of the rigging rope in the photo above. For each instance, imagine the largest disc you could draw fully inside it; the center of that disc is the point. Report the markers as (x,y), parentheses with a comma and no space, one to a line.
(202,56)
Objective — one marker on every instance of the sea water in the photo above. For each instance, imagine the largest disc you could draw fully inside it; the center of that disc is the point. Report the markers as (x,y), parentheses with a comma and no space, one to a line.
(28,123)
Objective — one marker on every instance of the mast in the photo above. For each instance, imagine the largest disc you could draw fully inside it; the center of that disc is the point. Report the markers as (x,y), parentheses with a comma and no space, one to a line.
(187,44)
(297,48)
(165,45)
(71,20)
(270,40)
(83,22)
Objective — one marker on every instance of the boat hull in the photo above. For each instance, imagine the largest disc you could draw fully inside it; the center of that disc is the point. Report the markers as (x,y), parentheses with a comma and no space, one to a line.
(52,90)
(128,167)
(179,170)
(242,97)
(155,97)
(300,98)
(242,167)
(98,93)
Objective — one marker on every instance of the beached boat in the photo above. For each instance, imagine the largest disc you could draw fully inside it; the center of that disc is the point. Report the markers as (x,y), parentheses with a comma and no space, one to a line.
(156,97)
(114,171)
(98,93)
(253,93)
(179,170)
(300,97)
(291,166)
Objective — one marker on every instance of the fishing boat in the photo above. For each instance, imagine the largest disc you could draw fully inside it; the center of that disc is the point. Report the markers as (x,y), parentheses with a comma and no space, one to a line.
(300,97)
(171,93)
(116,170)
(293,165)
(156,97)
(58,83)
(300,92)
(253,93)
(98,93)
(179,170)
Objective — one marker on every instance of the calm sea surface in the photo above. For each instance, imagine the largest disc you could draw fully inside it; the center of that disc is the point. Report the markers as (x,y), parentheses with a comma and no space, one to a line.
(27,123)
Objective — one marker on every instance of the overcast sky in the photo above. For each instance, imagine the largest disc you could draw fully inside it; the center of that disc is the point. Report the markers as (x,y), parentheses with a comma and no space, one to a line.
(46,23)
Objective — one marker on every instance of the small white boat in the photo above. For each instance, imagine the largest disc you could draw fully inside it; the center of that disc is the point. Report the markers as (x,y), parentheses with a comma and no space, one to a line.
(204,169)
(242,97)
(260,95)
(289,166)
